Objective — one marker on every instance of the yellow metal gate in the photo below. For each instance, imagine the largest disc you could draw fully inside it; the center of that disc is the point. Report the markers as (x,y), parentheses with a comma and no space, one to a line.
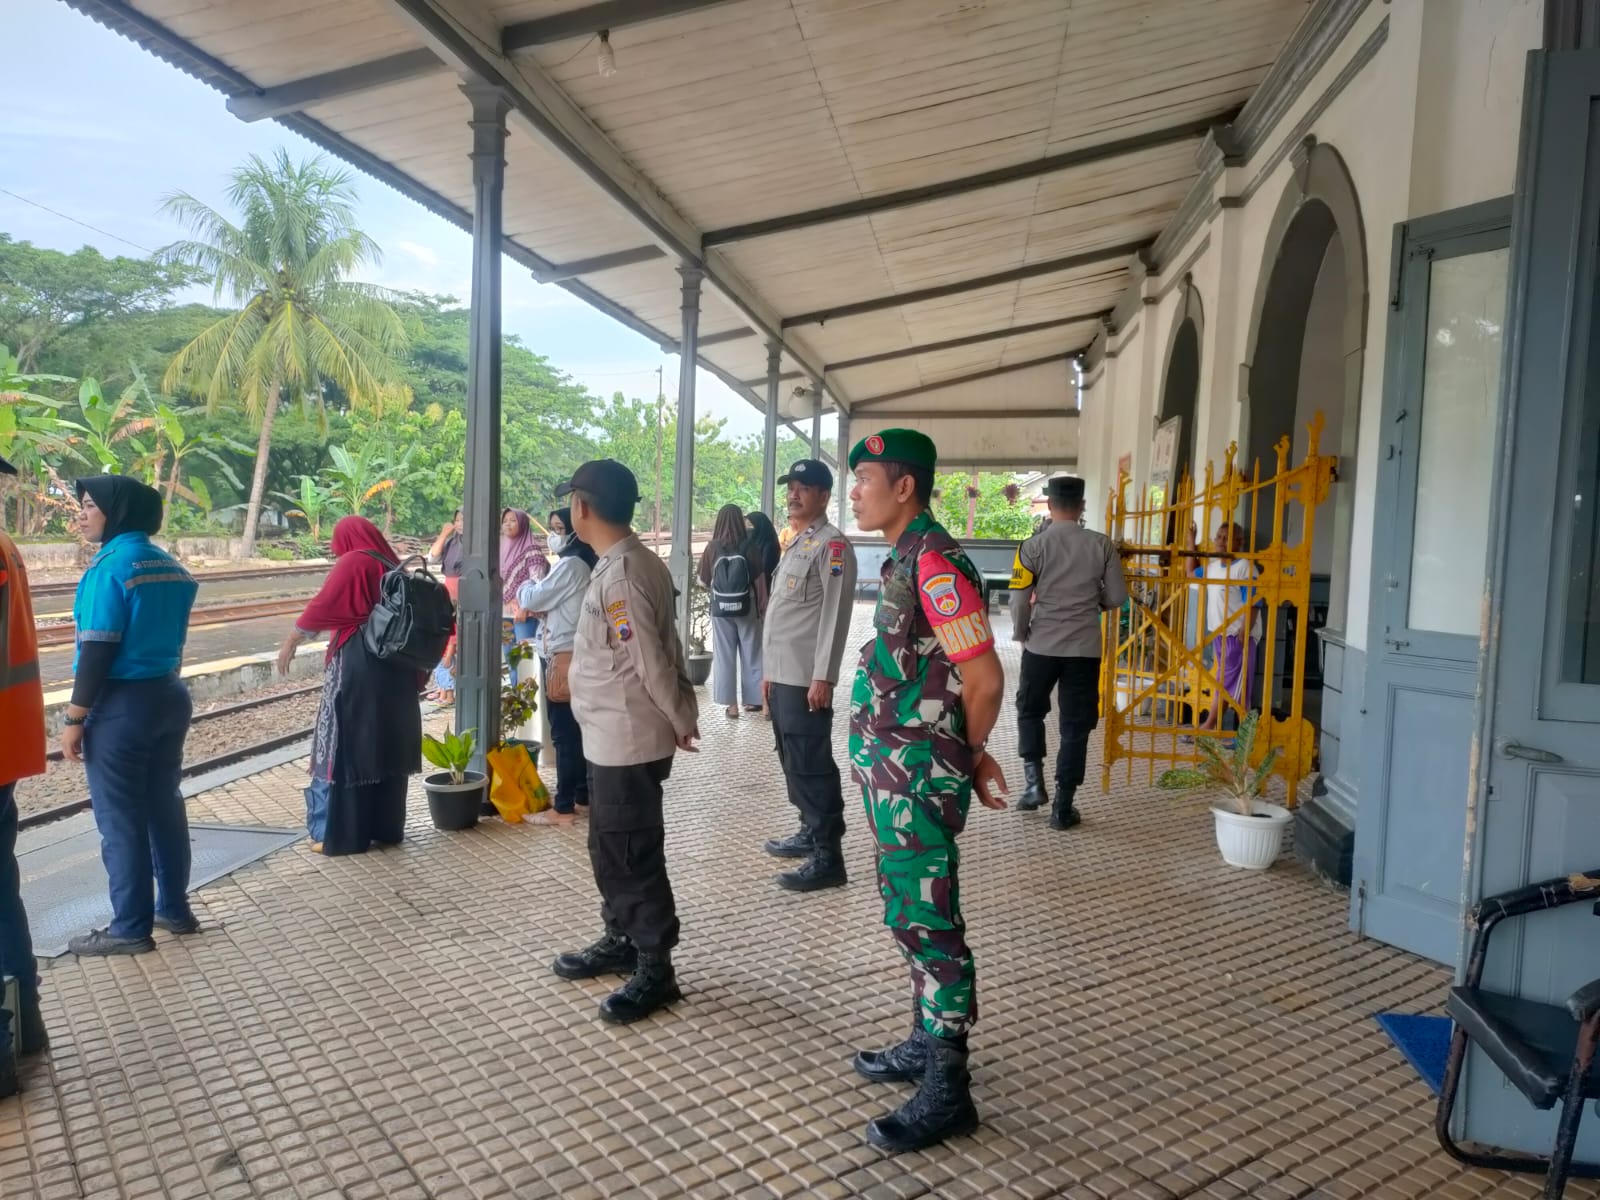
(1163,654)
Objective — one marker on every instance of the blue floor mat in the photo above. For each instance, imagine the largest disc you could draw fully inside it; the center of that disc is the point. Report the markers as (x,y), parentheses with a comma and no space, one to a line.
(1425,1041)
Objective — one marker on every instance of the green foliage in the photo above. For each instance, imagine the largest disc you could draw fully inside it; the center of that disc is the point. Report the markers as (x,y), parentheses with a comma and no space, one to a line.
(313,503)
(1224,771)
(997,517)
(452,752)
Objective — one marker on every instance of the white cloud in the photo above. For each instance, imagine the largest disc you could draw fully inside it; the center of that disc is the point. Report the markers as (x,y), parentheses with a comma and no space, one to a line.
(424,254)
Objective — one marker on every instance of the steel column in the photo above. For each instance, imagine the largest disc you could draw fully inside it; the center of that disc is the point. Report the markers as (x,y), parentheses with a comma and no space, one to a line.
(841,482)
(816,422)
(478,615)
(683,466)
(769,438)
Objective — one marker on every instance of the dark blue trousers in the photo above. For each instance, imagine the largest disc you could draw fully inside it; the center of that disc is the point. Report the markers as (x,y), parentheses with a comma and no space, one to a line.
(16,946)
(133,753)
(572,769)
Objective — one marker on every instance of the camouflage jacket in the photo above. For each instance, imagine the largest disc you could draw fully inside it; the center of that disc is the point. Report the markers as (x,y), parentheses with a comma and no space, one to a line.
(907,725)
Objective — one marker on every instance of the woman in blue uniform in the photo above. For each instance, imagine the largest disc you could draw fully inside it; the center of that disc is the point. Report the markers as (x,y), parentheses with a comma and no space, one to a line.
(130,713)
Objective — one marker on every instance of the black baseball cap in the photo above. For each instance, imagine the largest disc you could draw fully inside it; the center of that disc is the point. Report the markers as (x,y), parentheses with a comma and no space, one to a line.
(605,479)
(808,472)
(1067,489)
(6,468)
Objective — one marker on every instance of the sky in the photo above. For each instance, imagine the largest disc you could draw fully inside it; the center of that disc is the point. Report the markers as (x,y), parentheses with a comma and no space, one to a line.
(97,131)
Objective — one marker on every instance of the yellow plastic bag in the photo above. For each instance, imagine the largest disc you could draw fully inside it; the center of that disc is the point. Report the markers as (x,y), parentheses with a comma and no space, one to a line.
(516,789)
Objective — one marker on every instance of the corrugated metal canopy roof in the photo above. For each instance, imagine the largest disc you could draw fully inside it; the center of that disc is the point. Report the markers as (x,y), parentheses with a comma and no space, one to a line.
(910,193)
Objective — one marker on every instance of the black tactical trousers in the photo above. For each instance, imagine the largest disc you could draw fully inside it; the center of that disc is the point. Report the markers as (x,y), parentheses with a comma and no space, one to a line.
(627,848)
(1076,682)
(805,750)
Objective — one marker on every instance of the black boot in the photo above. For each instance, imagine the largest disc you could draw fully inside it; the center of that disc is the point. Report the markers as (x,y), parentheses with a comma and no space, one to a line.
(613,954)
(1033,795)
(8,1071)
(799,844)
(1063,813)
(32,1038)
(897,1064)
(824,869)
(942,1107)
(654,985)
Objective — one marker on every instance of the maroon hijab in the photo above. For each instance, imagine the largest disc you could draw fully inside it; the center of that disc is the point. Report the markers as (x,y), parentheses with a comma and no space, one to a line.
(351,590)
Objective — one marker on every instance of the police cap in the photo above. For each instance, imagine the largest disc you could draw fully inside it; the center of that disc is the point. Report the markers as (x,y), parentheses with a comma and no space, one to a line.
(1065,489)
(898,446)
(604,479)
(808,472)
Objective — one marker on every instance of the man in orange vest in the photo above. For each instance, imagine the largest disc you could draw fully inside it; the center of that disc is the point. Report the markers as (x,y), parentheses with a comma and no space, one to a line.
(21,755)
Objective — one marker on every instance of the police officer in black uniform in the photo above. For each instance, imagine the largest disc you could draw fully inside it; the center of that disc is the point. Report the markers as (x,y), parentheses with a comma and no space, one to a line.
(1064,577)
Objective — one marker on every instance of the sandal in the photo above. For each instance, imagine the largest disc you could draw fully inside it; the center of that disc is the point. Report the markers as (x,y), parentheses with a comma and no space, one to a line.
(733,712)
(550,816)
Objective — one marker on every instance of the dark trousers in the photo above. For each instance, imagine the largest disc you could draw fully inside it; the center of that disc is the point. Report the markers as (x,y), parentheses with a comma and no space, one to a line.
(1076,682)
(805,751)
(627,849)
(572,772)
(16,946)
(133,756)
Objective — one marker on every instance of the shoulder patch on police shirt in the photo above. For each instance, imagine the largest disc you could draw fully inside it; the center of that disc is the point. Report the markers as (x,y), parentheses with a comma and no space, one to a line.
(617,614)
(835,558)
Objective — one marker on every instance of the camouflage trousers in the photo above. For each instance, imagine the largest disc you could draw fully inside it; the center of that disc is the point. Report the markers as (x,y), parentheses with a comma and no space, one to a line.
(917,874)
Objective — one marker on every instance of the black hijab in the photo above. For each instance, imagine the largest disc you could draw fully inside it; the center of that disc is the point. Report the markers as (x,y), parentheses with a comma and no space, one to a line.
(575,545)
(129,506)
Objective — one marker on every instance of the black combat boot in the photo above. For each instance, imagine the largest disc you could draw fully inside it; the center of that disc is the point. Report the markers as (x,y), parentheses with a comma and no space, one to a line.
(1033,795)
(613,954)
(824,869)
(942,1107)
(32,1038)
(8,1071)
(1064,813)
(802,843)
(653,985)
(897,1064)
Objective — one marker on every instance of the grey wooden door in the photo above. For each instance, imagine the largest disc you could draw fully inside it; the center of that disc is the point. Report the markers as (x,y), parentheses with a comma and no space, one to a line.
(1541,733)
(1442,384)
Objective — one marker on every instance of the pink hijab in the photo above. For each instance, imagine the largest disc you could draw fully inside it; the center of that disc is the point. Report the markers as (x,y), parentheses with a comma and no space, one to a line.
(520,557)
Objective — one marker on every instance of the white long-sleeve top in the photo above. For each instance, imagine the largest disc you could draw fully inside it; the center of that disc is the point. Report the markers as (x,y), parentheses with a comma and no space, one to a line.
(558,597)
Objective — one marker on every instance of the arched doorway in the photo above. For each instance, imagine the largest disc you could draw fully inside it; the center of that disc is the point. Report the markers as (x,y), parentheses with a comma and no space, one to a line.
(1180,389)
(1307,340)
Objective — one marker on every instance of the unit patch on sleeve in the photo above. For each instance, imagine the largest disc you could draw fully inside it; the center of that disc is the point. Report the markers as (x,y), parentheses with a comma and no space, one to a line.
(836,558)
(941,592)
(617,611)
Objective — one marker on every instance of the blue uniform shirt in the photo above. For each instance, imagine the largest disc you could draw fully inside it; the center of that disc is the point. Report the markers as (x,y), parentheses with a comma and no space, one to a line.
(137,595)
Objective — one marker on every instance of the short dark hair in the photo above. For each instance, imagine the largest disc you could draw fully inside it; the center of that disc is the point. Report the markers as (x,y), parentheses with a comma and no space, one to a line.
(1057,504)
(921,476)
(610,509)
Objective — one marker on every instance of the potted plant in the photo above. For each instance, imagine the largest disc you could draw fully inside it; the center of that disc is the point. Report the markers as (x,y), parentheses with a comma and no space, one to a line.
(1249,830)
(456,795)
(699,634)
(519,700)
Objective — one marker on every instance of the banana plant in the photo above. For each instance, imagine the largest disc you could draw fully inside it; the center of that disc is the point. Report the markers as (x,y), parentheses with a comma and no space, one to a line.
(182,445)
(117,427)
(354,479)
(312,504)
(32,434)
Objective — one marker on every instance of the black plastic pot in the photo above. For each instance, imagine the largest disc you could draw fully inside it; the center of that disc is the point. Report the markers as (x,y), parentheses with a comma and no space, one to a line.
(699,667)
(454,805)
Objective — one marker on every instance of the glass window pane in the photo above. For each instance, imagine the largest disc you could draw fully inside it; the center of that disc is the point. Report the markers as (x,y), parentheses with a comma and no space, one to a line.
(1581,640)
(1460,394)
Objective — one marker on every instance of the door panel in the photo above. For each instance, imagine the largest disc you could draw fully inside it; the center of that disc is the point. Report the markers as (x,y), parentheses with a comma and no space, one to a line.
(1541,733)
(1441,388)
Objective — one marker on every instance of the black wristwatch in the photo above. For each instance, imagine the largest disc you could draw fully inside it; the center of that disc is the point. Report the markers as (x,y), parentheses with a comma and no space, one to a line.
(74,720)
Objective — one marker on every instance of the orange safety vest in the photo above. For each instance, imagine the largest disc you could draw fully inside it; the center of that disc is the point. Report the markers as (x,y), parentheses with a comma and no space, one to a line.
(21,696)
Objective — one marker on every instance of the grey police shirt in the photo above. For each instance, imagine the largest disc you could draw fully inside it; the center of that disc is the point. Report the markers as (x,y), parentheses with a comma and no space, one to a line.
(630,683)
(808,614)
(1071,575)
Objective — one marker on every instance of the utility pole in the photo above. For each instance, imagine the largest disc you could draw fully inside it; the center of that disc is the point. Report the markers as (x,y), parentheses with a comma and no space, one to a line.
(661,424)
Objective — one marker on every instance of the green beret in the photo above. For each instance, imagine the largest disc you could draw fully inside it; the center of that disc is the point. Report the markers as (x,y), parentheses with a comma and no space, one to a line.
(896,445)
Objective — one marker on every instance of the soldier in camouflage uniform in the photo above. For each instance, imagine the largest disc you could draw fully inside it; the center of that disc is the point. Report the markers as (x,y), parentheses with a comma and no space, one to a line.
(927,692)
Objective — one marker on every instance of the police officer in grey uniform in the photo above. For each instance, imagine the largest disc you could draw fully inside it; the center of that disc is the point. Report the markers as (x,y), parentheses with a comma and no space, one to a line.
(1064,577)
(632,696)
(807,622)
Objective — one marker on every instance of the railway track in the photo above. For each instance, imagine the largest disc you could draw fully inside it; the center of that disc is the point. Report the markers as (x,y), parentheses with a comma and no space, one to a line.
(50,591)
(61,633)
(239,754)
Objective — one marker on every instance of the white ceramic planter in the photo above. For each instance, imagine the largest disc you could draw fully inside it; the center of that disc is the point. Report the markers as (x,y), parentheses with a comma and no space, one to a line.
(1252,842)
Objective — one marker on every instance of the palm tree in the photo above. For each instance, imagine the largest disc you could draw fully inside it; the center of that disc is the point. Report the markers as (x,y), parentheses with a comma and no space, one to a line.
(302,325)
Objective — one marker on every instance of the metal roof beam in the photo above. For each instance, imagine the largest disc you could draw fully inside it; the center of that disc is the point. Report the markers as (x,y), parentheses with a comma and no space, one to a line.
(975,377)
(601,262)
(1028,271)
(784,377)
(869,205)
(586,22)
(986,414)
(971,339)
(259,104)
(728,335)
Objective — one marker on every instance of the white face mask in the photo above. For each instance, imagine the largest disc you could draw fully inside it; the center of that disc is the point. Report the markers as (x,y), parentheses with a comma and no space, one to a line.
(557,542)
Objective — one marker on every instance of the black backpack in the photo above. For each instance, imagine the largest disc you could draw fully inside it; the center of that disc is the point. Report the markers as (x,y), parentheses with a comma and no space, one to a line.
(413,619)
(731,591)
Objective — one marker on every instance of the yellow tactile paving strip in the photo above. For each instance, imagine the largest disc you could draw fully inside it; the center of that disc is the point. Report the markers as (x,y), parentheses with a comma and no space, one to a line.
(1154,1024)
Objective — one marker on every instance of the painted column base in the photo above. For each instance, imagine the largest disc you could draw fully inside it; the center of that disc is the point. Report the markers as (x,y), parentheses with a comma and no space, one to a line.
(1325,836)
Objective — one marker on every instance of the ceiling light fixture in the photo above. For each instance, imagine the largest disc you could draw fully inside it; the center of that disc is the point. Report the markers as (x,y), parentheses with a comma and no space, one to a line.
(608,57)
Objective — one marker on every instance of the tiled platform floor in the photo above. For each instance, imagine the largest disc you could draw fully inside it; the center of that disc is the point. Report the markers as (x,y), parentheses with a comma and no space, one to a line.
(1155,1025)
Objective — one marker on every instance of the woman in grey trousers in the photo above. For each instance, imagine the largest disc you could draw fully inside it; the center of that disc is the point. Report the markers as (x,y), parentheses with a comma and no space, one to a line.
(730,568)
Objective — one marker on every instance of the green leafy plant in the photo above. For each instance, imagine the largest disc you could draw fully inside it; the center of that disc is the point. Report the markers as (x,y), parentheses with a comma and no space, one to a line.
(699,617)
(452,752)
(312,504)
(1226,772)
(518,701)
